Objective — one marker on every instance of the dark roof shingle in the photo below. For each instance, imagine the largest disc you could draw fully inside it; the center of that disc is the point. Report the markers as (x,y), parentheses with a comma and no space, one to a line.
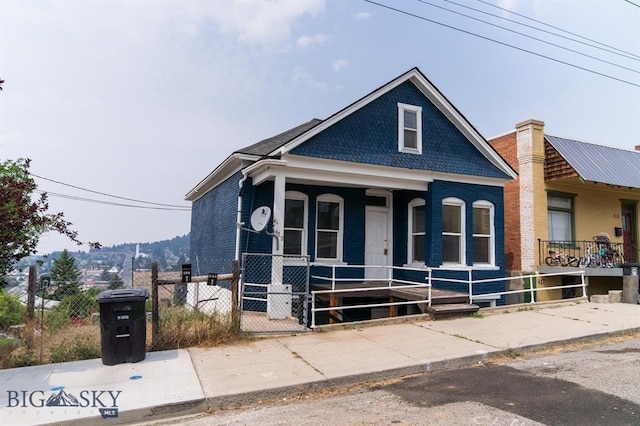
(266,146)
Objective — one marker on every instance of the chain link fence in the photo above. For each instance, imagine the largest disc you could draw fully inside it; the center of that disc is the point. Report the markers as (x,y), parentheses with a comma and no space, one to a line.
(200,310)
(274,294)
(56,323)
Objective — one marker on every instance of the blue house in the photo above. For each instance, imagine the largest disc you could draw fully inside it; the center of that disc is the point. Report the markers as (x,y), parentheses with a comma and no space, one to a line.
(399,178)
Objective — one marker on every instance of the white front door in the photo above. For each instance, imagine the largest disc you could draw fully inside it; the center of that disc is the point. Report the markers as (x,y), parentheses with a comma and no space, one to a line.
(376,250)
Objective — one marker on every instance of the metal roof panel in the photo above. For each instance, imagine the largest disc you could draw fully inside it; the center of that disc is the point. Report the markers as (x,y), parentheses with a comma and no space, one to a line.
(597,163)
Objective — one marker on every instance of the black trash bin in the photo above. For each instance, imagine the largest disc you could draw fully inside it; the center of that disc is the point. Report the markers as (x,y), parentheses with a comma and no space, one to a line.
(123,328)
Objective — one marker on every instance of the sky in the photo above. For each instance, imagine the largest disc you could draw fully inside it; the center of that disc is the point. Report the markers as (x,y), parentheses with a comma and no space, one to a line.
(142,99)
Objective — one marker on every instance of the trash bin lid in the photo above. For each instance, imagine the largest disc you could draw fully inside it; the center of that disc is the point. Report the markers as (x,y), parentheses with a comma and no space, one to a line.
(123,295)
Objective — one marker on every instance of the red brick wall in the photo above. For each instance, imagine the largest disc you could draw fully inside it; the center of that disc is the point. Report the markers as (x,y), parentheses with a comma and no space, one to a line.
(506,146)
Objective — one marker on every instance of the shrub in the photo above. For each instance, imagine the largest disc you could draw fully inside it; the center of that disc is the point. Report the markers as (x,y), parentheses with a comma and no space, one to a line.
(23,357)
(11,310)
(82,347)
(57,318)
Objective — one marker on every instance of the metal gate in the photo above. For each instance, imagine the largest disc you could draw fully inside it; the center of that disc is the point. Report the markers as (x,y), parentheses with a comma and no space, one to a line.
(274,293)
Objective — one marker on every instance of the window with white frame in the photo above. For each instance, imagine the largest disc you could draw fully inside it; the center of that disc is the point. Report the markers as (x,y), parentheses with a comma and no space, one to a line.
(409,128)
(453,240)
(483,233)
(295,223)
(329,227)
(560,217)
(416,238)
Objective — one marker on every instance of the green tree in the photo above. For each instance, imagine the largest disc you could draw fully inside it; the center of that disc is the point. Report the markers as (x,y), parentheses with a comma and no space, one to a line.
(65,274)
(105,275)
(115,282)
(24,215)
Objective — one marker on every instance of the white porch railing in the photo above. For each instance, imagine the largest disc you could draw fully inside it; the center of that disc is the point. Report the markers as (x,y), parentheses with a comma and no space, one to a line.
(398,284)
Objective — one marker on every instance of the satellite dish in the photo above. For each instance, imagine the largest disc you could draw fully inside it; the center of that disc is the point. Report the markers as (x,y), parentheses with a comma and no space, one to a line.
(260,217)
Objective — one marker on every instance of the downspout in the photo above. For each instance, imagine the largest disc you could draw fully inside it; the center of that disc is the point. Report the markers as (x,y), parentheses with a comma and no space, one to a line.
(239,216)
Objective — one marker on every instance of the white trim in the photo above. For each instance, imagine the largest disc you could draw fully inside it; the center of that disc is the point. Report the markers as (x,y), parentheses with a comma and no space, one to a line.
(296,195)
(416,202)
(331,198)
(224,171)
(452,201)
(401,128)
(484,204)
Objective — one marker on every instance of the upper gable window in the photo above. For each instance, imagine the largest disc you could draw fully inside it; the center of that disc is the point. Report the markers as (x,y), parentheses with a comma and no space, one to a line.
(409,128)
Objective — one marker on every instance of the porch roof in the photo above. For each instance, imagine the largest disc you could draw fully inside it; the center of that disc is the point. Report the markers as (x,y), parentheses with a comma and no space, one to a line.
(601,164)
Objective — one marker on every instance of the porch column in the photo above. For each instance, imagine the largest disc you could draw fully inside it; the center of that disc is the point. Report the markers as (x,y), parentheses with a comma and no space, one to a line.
(277,248)
(533,197)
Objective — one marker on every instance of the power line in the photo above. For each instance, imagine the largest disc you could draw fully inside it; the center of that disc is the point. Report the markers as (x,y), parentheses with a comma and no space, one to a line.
(502,43)
(529,36)
(109,195)
(552,26)
(628,56)
(630,2)
(91,200)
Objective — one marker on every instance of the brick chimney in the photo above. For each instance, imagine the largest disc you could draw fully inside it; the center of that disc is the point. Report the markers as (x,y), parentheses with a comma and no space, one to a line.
(637,147)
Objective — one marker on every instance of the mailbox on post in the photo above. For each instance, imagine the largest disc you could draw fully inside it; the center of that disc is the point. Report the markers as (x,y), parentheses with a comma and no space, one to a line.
(212,278)
(186,273)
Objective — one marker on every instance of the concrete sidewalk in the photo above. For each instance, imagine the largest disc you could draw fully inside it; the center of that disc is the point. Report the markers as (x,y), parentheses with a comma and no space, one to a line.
(176,382)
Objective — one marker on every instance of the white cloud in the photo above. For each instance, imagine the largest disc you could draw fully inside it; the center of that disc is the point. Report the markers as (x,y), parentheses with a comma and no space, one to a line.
(306,41)
(260,22)
(340,64)
(361,15)
(300,75)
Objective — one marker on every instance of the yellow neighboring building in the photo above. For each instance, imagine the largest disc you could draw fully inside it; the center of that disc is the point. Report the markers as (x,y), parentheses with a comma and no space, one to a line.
(573,205)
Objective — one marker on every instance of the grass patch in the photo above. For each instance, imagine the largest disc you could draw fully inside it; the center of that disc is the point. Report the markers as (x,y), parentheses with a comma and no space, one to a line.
(476,315)
(180,327)
(80,348)
(512,353)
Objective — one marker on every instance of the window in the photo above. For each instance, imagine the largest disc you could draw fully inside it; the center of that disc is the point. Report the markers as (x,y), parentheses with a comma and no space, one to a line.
(560,217)
(409,128)
(329,223)
(416,237)
(295,223)
(483,233)
(453,245)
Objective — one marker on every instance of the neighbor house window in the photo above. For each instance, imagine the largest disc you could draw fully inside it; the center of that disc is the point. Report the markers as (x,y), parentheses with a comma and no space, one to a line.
(560,217)
(409,128)
(483,233)
(453,243)
(329,227)
(295,223)
(416,237)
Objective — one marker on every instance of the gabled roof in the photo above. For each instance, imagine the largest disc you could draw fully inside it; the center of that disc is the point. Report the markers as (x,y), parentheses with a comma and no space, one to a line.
(283,143)
(266,146)
(601,164)
(287,141)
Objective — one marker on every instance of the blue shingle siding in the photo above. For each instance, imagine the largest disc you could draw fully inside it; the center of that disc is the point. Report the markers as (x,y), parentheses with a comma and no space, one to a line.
(370,135)
(213,228)
(437,192)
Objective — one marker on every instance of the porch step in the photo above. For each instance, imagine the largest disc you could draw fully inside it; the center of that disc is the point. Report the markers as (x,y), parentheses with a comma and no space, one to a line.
(450,310)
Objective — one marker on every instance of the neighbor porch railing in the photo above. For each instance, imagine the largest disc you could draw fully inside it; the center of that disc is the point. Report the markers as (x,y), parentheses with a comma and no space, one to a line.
(594,253)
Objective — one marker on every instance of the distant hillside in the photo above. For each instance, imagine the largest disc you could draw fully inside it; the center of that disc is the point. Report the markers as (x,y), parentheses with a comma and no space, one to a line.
(170,255)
